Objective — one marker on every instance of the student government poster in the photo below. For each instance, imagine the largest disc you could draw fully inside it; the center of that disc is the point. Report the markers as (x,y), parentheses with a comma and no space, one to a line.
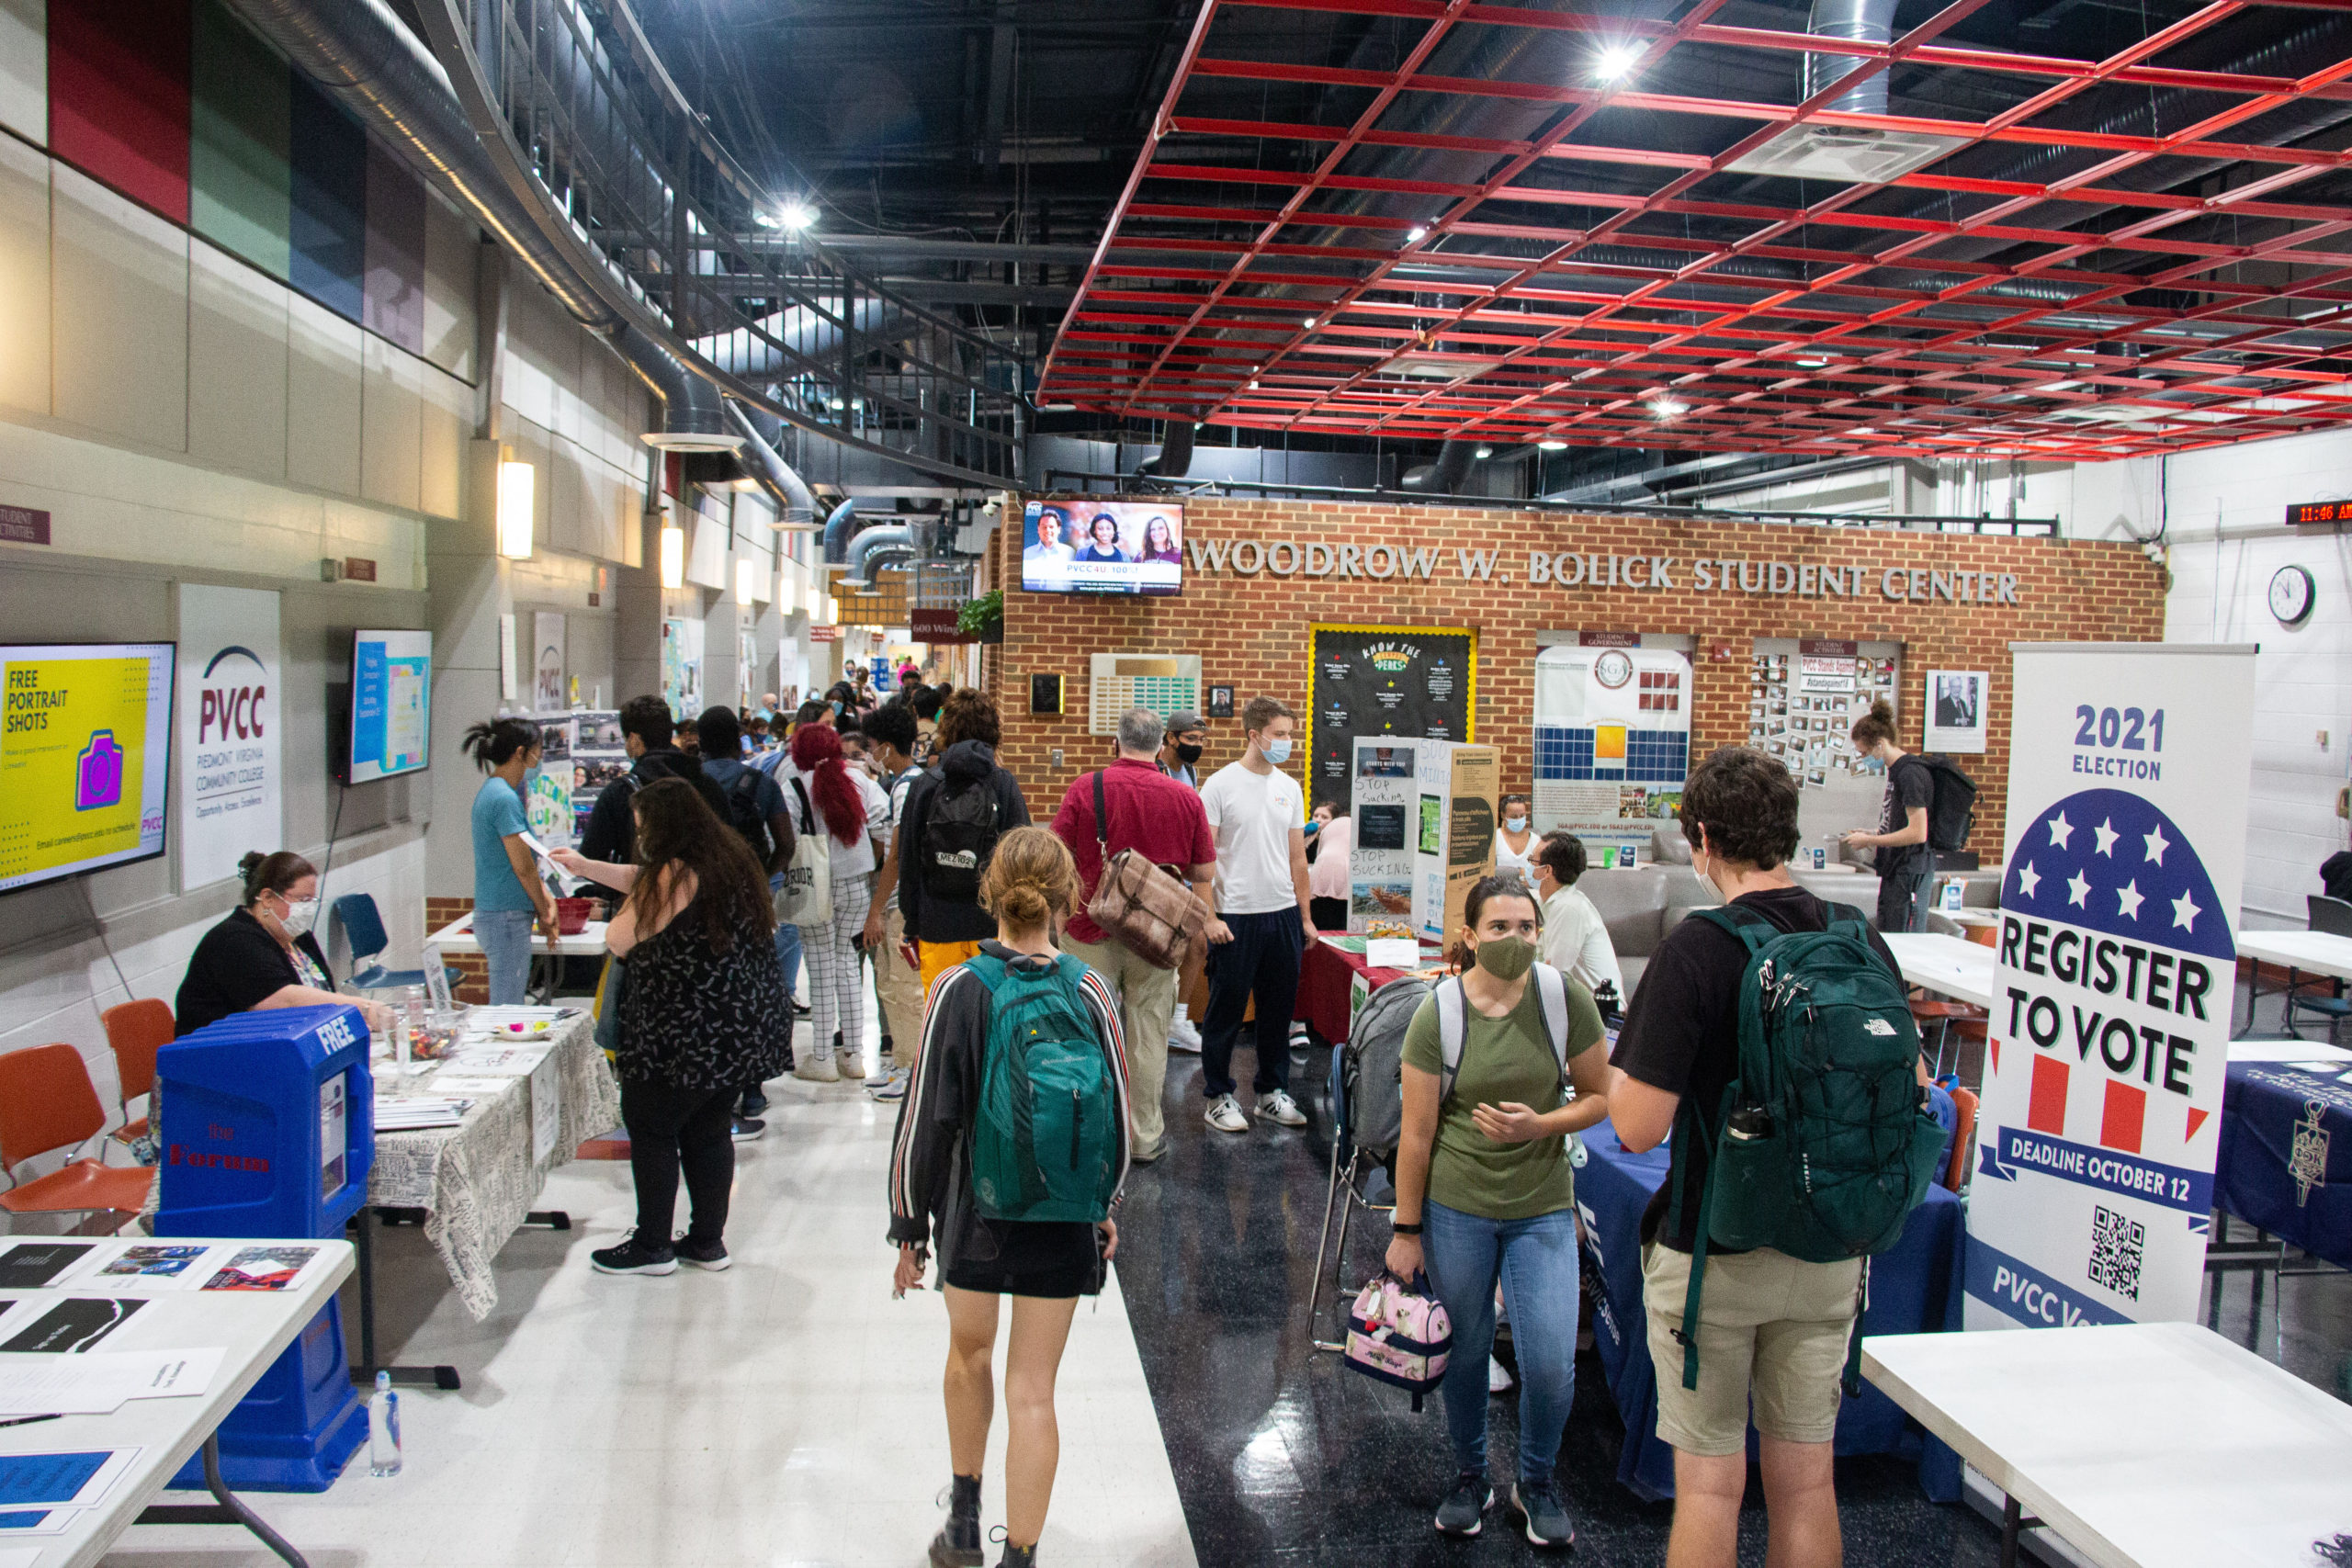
(2116,967)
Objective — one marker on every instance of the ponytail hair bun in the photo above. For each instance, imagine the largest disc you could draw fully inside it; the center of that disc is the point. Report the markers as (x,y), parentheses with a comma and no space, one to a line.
(1029,878)
(1876,725)
(274,872)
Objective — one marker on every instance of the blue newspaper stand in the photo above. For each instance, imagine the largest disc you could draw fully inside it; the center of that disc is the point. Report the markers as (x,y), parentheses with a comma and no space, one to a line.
(268,1131)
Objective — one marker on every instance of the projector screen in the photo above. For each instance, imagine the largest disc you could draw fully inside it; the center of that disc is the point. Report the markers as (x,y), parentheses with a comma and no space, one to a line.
(392,704)
(85,757)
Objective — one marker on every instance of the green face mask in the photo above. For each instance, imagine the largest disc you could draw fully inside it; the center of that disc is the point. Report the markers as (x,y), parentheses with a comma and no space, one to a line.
(1506,957)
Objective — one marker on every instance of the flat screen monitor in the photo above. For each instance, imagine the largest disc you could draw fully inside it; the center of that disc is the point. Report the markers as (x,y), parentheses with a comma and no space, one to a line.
(85,757)
(1103,546)
(391,704)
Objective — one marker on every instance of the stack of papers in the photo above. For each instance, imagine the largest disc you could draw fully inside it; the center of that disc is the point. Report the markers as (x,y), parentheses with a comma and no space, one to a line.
(411,1114)
(98,1383)
(44,1494)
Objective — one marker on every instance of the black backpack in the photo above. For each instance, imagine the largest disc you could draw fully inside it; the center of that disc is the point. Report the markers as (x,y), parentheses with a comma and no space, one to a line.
(959,835)
(744,811)
(1952,808)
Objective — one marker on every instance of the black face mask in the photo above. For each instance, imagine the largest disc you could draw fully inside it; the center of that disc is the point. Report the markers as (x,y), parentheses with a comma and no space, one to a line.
(1188,755)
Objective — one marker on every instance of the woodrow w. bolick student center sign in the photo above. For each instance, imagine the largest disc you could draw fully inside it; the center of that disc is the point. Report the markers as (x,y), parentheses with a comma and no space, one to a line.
(1570,568)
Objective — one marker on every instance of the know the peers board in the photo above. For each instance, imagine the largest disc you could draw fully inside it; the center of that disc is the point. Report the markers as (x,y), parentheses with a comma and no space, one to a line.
(2108,1040)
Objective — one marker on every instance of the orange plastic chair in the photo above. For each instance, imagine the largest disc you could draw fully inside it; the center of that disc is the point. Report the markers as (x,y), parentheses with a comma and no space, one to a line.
(1963,1138)
(1984,936)
(136,1031)
(46,1103)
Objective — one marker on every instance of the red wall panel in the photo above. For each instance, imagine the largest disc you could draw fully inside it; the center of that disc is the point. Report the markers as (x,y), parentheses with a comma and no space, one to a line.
(119,95)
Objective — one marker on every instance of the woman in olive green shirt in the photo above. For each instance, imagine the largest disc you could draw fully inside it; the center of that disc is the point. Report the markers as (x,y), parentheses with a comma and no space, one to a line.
(1485,1193)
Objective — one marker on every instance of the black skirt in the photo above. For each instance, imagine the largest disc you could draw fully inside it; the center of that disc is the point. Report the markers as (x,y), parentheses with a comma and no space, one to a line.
(1053,1258)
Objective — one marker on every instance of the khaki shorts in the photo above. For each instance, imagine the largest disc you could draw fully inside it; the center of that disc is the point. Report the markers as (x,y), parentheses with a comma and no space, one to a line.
(1765,1321)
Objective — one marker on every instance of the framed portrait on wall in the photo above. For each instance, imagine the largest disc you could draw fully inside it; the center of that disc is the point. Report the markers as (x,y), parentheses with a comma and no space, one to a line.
(1220,702)
(1957,710)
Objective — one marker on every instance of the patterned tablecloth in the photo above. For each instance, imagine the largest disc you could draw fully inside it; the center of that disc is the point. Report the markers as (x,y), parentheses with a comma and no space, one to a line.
(477,1181)
(2285,1160)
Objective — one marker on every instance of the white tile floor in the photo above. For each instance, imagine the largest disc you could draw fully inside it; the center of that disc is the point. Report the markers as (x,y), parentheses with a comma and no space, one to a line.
(785,1412)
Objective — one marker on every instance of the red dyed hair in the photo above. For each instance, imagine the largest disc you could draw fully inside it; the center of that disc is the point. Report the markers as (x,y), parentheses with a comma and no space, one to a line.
(817,751)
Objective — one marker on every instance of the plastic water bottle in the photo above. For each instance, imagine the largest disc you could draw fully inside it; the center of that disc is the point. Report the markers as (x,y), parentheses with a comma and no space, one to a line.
(383,1427)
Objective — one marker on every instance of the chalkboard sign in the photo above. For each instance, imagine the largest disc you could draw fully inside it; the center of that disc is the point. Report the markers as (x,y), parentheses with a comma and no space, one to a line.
(1414,682)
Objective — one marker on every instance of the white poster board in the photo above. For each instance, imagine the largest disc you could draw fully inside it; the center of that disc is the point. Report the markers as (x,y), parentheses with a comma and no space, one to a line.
(230,769)
(548,653)
(1958,709)
(2114,983)
(1612,742)
(1380,854)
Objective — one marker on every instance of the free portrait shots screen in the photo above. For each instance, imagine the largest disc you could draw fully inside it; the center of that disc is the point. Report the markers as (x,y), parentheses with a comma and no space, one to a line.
(392,704)
(85,757)
(1103,546)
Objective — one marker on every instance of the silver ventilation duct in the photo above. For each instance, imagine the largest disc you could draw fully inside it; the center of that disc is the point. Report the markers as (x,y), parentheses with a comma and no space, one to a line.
(1865,21)
(1175,453)
(890,541)
(804,331)
(838,528)
(796,503)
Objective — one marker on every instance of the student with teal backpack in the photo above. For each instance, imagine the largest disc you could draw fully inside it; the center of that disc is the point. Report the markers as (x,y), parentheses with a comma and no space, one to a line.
(1010,1153)
(1773,1038)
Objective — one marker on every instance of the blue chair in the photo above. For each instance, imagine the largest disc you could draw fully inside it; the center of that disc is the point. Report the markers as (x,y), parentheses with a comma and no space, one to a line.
(363,928)
(2333,917)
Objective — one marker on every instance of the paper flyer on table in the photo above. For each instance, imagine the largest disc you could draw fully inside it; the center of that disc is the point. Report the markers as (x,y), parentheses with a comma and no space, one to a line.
(35,1521)
(498,1061)
(149,1266)
(75,1479)
(98,1383)
(482,1088)
(271,1268)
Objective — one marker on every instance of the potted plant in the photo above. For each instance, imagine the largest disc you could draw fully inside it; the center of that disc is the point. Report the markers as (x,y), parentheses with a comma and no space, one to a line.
(983,618)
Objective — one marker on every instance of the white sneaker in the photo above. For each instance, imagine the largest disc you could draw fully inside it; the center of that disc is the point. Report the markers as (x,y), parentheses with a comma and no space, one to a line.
(1183,1035)
(851,1064)
(890,1086)
(1281,1108)
(1498,1379)
(817,1069)
(1225,1115)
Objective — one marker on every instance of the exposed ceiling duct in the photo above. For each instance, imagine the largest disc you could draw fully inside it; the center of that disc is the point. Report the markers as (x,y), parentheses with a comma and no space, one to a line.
(363,54)
(806,332)
(1175,452)
(885,541)
(796,503)
(839,525)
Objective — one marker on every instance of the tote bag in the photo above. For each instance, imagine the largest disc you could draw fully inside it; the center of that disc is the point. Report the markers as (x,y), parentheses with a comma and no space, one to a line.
(807,896)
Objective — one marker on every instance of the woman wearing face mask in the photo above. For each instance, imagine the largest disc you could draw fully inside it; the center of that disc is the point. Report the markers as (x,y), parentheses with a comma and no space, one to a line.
(1514,841)
(508,890)
(1485,1194)
(264,955)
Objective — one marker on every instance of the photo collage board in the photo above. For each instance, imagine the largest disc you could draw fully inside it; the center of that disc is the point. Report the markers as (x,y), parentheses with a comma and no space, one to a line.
(1804,695)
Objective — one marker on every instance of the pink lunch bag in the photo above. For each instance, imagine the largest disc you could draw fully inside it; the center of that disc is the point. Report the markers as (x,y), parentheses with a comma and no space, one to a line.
(1399,1333)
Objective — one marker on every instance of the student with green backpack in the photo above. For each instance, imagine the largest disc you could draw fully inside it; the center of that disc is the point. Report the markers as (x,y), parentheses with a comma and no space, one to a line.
(1773,1038)
(1010,1149)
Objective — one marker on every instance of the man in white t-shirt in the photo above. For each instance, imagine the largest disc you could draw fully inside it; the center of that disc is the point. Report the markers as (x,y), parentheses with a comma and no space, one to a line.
(1258,815)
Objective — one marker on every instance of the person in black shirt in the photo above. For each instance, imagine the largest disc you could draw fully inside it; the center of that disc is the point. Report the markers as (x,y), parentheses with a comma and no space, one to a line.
(1904,861)
(2336,874)
(646,735)
(1771,1329)
(264,955)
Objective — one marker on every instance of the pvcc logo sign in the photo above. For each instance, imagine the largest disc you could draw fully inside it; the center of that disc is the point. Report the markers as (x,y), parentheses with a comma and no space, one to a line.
(226,711)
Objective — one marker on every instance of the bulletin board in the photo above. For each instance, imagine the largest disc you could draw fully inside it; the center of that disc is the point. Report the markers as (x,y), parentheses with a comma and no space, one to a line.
(1413,683)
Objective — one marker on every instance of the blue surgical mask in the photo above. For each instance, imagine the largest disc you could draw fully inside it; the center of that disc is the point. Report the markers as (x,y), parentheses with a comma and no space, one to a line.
(837,710)
(1277,752)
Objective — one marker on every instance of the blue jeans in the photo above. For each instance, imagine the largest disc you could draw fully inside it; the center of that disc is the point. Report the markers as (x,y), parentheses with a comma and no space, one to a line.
(1536,1262)
(505,938)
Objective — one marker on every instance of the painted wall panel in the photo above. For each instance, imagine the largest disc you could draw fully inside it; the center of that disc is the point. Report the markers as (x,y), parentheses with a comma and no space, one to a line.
(23,69)
(451,250)
(24,277)
(322,398)
(393,289)
(447,408)
(391,438)
(120,296)
(328,231)
(117,96)
(239,178)
(236,364)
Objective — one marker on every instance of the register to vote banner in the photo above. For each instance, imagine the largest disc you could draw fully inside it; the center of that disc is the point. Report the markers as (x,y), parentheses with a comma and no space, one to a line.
(2111,998)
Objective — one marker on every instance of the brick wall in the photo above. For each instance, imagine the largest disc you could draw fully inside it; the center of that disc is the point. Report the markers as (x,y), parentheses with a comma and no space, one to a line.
(474,969)
(1251,629)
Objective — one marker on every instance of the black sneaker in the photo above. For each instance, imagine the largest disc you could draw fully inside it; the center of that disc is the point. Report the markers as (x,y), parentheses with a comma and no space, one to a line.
(1538,1503)
(1462,1512)
(633,1257)
(750,1129)
(754,1103)
(710,1255)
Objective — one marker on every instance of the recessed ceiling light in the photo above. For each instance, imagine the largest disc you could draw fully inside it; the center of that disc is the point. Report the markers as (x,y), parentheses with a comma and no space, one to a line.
(1814,363)
(1485,452)
(1667,408)
(1613,63)
(1416,234)
(1306,320)
(1253,386)
(1553,446)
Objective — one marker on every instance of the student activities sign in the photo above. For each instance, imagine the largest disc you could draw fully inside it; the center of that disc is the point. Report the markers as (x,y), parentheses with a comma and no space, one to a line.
(2111,997)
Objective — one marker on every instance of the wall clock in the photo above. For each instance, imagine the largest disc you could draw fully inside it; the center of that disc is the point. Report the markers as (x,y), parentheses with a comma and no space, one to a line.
(2291,592)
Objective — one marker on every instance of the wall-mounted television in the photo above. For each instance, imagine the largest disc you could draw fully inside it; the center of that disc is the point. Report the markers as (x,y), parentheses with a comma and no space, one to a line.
(85,757)
(390,730)
(1103,546)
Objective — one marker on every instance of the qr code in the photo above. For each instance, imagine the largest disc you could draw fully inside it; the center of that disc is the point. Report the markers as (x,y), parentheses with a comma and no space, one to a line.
(2117,1245)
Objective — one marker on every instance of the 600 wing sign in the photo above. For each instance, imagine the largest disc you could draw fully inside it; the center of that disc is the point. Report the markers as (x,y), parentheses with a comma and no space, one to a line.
(2108,1037)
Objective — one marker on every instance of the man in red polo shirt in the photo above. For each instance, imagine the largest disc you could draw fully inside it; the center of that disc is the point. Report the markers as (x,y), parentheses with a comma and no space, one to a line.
(1162,820)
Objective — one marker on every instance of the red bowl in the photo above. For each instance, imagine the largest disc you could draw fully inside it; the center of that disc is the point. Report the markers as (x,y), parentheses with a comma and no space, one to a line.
(571,915)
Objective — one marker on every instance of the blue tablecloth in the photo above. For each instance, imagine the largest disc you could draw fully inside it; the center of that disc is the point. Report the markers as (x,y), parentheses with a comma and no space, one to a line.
(1914,1288)
(2285,1162)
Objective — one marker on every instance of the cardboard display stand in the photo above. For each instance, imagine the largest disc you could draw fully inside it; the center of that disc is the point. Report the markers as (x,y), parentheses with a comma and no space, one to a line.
(1456,823)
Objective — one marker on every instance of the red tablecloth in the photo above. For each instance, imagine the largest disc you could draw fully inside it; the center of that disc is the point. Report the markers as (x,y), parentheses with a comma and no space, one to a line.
(1325,978)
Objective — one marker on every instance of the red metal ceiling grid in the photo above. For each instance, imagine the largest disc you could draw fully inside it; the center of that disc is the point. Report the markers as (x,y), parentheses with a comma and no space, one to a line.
(1551,359)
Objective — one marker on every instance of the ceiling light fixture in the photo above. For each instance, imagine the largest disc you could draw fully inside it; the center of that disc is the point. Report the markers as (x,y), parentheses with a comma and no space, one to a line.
(1307,322)
(1814,363)
(1553,446)
(1484,452)
(1616,60)
(1667,408)
(796,216)
(1416,234)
